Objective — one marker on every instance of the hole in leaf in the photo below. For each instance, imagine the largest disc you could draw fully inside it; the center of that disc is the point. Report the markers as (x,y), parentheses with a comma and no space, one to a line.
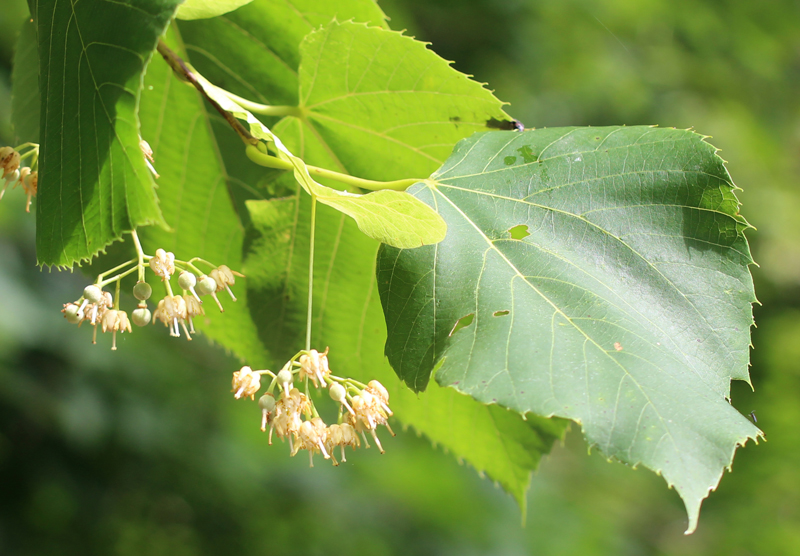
(500,313)
(463,322)
(519,232)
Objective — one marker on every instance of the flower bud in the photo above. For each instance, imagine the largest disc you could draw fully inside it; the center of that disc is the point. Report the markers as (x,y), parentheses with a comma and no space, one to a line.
(142,291)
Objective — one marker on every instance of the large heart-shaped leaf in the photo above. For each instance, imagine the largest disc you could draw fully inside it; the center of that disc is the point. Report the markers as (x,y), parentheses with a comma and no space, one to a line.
(595,274)
(93,181)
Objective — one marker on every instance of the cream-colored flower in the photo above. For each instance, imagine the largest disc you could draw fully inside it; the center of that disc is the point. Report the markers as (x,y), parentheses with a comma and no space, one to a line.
(193,308)
(30,184)
(245,383)
(163,264)
(172,312)
(315,366)
(224,277)
(115,321)
(341,435)
(9,161)
(381,394)
(148,156)
(311,436)
(288,412)
(367,415)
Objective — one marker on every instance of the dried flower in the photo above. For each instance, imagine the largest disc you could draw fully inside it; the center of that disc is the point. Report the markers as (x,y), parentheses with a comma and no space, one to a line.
(9,161)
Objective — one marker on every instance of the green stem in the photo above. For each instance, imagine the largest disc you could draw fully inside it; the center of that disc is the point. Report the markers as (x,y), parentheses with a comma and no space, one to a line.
(311,271)
(116,295)
(269,161)
(169,286)
(263,109)
(103,283)
(107,272)
(139,254)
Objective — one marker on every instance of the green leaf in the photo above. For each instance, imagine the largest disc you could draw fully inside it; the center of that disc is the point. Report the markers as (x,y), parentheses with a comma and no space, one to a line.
(254,51)
(392,217)
(93,180)
(625,307)
(25,86)
(386,105)
(194,197)
(348,318)
(203,9)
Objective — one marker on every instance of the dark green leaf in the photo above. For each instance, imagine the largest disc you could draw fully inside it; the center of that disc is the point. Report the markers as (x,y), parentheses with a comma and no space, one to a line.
(626,307)
(25,87)
(93,181)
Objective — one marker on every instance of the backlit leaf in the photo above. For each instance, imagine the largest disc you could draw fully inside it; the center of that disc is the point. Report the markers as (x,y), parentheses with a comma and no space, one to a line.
(203,9)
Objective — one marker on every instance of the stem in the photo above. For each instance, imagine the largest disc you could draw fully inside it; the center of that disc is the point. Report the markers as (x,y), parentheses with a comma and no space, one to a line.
(119,276)
(186,73)
(139,254)
(169,287)
(263,109)
(311,271)
(116,296)
(269,161)
(107,272)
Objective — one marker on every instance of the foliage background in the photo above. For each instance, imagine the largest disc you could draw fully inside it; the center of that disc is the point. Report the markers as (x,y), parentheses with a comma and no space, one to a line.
(143,451)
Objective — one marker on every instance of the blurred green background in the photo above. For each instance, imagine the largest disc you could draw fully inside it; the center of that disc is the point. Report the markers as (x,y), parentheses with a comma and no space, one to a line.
(144,452)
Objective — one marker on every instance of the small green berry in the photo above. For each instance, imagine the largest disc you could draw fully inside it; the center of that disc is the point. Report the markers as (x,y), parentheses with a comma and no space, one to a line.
(187,280)
(206,286)
(142,291)
(92,293)
(141,316)
(267,402)
(337,392)
(72,314)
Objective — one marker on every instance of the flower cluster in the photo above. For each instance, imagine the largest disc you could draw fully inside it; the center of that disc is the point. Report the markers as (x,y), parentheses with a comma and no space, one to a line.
(291,414)
(174,311)
(11,173)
